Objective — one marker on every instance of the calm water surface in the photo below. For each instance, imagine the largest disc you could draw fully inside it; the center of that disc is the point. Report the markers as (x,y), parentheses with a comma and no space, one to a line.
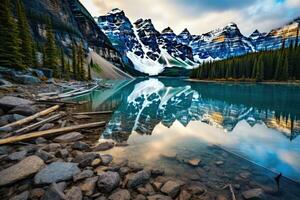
(238,124)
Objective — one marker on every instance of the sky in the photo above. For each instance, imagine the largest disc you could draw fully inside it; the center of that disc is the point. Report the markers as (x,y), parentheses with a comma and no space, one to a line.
(201,16)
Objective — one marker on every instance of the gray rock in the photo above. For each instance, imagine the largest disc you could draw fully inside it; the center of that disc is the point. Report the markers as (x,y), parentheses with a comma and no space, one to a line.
(23,196)
(5,119)
(74,193)
(171,188)
(108,181)
(106,159)
(85,159)
(120,195)
(140,197)
(55,172)
(21,170)
(63,153)
(70,137)
(159,197)
(253,194)
(83,175)
(37,193)
(104,146)
(19,155)
(140,178)
(46,127)
(41,140)
(157,172)
(25,110)
(55,192)
(44,155)
(53,147)
(5,150)
(9,102)
(80,146)
(89,185)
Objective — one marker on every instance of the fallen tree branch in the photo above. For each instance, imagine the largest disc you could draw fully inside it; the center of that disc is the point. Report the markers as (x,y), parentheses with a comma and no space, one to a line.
(94,113)
(11,126)
(50,132)
(38,124)
(231,191)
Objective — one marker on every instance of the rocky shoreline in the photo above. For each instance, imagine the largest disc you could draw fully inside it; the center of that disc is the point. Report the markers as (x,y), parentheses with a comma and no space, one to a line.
(75,165)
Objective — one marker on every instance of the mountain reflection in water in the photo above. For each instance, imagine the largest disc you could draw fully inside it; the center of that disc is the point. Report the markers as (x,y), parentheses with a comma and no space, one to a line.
(257,121)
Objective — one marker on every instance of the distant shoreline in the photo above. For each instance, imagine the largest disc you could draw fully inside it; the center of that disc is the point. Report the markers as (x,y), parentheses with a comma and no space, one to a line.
(297,82)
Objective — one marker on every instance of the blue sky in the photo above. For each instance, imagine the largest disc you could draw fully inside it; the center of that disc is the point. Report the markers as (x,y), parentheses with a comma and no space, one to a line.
(201,16)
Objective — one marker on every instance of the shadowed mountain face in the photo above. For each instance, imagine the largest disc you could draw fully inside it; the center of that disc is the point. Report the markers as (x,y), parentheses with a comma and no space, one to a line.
(155,53)
(145,104)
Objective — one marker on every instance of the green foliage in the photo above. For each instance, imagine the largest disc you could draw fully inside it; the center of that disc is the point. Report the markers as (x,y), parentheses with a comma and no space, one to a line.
(51,54)
(24,36)
(10,54)
(279,65)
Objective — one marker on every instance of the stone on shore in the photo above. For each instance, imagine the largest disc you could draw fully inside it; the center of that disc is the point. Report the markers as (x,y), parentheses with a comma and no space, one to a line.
(159,197)
(25,110)
(120,195)
(106,159)
(55,192)
(23,196)
(171,188)
(82,175)
(104,146)
(55,172)
(140,178)
(74,194)
(21,170)
(9,102)
(80,145)
(46,126)
(89,185)
(253,194)
(108,181)
(19,155)
(70,137)
(85,159)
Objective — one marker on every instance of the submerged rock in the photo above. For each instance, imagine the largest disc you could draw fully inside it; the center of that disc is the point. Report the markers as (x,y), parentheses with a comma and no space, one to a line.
(253,194)
(171,188)
(55,172)
(21,170)
(194,162)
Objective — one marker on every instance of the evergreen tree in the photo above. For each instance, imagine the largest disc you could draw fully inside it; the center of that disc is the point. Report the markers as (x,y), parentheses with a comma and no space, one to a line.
(80,59)
(74,62)
(62,62)
(10,55)
(285,70)
(259,70)
(24,35)
(89,69)
(51,50)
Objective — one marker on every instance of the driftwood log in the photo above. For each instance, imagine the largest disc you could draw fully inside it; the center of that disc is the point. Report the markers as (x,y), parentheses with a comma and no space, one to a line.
(94,113)
(50,132)
(30,118)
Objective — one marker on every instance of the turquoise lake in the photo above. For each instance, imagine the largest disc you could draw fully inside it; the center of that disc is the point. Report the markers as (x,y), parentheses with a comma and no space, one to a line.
(253,129)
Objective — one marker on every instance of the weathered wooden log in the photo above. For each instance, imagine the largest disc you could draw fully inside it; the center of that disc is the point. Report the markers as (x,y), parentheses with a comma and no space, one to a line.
(38,124)
(50,132)
(94,113)
(30,118)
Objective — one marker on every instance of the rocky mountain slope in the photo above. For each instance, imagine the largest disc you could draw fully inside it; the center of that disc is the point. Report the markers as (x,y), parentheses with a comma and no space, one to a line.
(72,24)
(154,53)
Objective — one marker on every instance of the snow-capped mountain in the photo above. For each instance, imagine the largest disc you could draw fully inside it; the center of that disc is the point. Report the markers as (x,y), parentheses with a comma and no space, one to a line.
(149,50)
(153,53)
(151,102)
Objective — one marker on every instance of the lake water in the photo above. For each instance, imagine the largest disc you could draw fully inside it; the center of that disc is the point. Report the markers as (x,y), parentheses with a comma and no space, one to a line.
(242,133)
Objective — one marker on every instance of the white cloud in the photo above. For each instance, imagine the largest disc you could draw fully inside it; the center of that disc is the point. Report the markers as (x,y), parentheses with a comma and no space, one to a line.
(262,15)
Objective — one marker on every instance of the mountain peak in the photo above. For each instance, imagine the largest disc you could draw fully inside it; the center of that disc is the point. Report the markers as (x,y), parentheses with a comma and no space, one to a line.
(115,11)
(167,30)
(186,31)
(232,25)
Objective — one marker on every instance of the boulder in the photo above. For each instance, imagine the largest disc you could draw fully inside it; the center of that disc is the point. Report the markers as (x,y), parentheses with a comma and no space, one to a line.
(120,195)
(140,178)
(171,188)
(26,79)
(74,194)
(89,185)
(9,102)
(82,175)
(21,170)
(55,192)
(108,181)
(253,194)
(55,172)
(19,155)
(70,137)
(80,146)
(104,146)
(85,159)
(25,110)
